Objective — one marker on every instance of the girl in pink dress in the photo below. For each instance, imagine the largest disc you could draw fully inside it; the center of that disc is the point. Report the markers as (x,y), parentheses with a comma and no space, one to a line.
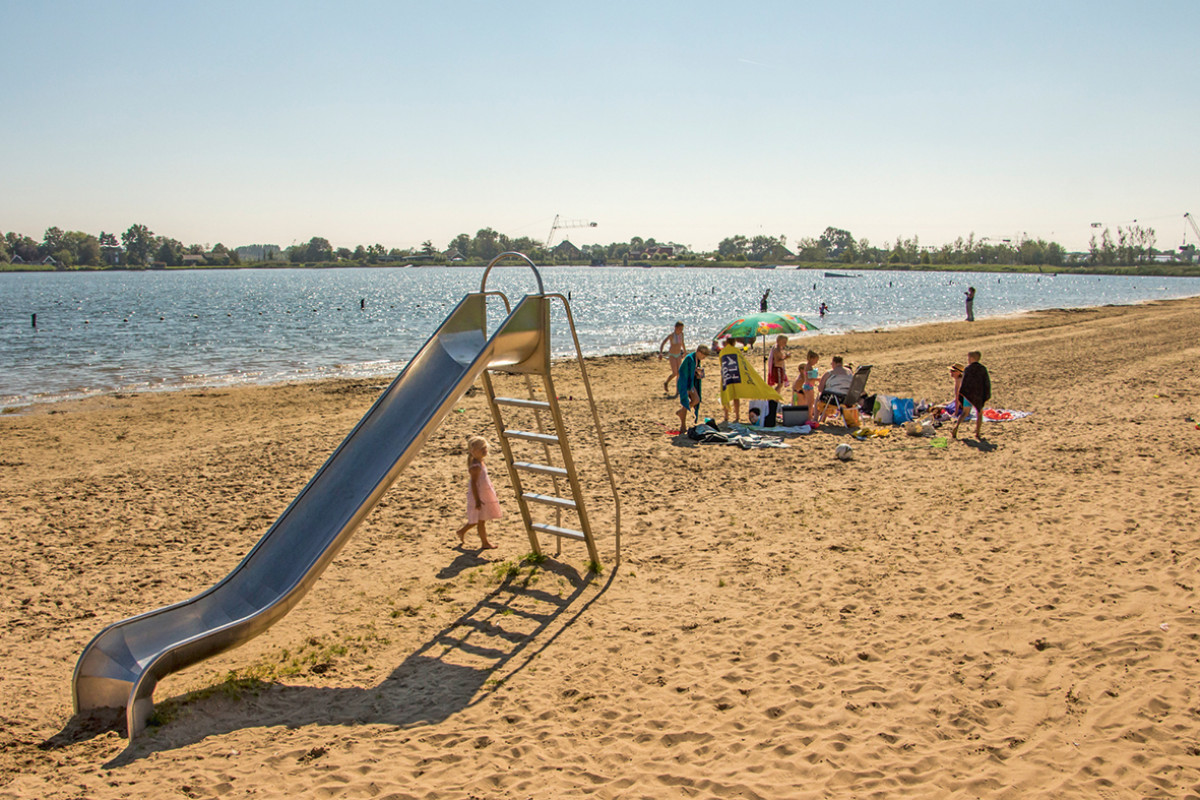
(482,503)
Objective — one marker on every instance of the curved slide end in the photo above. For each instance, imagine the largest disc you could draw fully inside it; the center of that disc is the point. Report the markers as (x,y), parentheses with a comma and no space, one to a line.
(105,672)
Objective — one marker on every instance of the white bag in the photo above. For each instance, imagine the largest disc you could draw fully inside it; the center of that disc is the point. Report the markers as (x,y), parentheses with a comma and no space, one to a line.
(883,409)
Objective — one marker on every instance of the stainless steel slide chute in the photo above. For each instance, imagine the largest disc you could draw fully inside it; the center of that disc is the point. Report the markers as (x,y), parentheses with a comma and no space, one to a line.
(124,662)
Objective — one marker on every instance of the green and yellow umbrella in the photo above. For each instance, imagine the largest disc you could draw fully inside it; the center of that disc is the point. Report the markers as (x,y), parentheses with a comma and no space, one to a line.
(765,323)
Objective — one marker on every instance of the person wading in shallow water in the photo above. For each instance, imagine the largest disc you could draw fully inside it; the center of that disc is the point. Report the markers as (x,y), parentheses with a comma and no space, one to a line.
(970,295)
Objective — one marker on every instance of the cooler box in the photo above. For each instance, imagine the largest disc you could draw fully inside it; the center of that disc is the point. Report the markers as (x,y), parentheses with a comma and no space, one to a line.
(794,416)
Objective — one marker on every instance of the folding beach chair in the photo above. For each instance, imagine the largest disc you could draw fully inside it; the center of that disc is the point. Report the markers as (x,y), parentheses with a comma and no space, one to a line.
(850,399)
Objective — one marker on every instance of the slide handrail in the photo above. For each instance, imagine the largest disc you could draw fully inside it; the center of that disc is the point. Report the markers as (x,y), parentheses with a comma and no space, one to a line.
(587,386)
(512,254)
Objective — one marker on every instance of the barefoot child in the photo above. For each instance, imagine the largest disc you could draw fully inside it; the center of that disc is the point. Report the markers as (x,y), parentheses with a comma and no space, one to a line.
(805,393)
(689,383)
(482,503)
(777,377)
(974,390)
(674,354)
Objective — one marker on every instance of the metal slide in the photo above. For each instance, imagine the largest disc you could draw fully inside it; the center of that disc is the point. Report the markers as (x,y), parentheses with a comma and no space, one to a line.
(124,662)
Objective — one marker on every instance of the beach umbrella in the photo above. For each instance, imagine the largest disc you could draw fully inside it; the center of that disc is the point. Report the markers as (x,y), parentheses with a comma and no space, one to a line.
(765,323)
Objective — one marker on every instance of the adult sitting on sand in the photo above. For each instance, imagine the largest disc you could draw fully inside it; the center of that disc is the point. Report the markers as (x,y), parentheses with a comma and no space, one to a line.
(834,385)
(688,384)
(975,389)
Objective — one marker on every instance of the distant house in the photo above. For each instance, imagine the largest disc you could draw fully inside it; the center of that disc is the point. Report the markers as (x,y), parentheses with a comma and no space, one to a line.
(259,252)
(565,249)
(194,260)
(111,254)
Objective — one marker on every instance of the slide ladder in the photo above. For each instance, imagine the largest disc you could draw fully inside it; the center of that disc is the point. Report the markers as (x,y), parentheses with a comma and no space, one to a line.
(553,465)
(557,440)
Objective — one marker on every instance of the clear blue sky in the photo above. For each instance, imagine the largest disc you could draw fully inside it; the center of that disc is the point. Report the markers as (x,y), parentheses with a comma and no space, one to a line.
(396,122)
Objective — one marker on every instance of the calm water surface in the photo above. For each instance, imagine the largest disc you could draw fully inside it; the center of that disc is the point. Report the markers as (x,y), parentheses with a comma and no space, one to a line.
(138,331)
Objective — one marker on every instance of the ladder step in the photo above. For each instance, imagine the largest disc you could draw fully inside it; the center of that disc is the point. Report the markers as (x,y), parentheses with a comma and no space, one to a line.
(549,500)
(519,403)
(541,469)
(554,530)
(544,438)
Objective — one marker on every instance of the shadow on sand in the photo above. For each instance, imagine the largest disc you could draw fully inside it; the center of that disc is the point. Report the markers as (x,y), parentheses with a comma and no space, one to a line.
(451,672)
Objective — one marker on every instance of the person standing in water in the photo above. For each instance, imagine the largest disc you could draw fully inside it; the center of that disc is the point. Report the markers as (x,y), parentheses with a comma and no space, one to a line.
(970,295)
(674,354)
(762,304)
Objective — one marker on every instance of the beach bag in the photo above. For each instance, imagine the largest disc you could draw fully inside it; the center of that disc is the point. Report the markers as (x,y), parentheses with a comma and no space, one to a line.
(919,427)
(883,409)
(902,410)
(851,415)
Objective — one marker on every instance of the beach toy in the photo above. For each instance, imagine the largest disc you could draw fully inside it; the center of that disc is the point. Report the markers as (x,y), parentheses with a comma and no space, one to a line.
(844,452)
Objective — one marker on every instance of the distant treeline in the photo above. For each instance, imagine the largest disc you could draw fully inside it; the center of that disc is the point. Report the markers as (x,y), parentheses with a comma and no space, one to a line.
(1133,245)
(140,248)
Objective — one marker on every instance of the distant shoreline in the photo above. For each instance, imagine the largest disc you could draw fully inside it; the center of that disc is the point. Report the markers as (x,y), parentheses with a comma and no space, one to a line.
(1178,270)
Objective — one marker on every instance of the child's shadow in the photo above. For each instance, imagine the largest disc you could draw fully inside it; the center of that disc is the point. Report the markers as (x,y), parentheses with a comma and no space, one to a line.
(982,445)
(467,558)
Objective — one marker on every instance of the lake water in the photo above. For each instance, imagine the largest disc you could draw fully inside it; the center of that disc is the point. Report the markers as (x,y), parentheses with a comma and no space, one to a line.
(103,332)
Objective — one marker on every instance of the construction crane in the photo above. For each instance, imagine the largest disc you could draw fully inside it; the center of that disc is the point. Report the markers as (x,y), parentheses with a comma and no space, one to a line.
(566,223)
(1191,221)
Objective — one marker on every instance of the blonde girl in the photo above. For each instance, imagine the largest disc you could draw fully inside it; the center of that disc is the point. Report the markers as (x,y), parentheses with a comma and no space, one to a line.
(482,503)
(777,364)
(805,394)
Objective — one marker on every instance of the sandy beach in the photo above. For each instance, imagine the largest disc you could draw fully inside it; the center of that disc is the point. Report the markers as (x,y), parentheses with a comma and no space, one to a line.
(1007,618)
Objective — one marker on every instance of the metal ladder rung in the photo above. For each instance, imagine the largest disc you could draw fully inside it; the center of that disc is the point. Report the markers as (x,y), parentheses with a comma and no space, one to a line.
(549,500)
(519,403)
(529,436)
(554,530)
(541,469)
